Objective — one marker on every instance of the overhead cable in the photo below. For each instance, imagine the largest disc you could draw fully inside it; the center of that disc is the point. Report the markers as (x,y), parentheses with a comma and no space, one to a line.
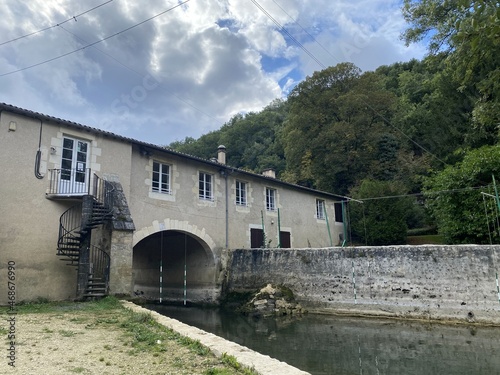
(96,42)
(73,18)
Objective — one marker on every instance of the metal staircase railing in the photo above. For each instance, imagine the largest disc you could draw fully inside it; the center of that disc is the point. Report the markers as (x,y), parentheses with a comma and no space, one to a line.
(75,230)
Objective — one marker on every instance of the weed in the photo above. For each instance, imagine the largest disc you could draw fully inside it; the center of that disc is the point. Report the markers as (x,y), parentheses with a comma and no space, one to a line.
(66,333)
(230,361)
(77,370)
(46,330)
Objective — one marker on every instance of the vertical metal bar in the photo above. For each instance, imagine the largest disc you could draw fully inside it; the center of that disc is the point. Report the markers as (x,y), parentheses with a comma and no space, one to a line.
(344,241)
(279,229)
(161,266)
(328,225)
(185,268)
(263,229)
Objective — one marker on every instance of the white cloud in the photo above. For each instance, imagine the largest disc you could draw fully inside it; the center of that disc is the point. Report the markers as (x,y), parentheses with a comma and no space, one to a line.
(189,70)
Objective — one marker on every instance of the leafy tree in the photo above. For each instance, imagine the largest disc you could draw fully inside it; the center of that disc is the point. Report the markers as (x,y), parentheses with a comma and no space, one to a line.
(455,199)
(467,32)
(251,140)
(335,125)
(379,221)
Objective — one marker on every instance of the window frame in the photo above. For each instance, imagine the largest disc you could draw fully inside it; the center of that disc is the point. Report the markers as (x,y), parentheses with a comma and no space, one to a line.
(320,214)
(205,191)
(271,204)
(241,193)
(159,188)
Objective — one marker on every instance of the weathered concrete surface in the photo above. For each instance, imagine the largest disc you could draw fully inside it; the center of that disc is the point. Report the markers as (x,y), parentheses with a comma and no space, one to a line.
(456,283)
(262,364)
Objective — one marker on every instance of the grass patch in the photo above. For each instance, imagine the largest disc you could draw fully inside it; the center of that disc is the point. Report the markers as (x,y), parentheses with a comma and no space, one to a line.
(141,335)
(66,333)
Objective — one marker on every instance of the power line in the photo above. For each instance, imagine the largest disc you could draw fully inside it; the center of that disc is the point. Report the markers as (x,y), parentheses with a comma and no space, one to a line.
(139,74)
(96,42)
(310,54)
(289,35)
(430,193)
(55,25)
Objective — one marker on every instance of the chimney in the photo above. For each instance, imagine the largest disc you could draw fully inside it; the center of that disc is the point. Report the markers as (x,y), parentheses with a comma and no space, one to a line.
(221,154)
(269,172)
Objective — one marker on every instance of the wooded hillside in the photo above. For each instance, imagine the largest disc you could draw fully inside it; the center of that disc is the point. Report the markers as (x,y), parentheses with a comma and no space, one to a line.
(417,141)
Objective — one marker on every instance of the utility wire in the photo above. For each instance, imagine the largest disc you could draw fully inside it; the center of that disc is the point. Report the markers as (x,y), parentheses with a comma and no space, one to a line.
(289,35)
(423,194)
(57,24)
(139,74)
(96,42)
(310,54)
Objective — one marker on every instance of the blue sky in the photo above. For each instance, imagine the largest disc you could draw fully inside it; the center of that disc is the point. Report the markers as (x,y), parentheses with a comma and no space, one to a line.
(189,70)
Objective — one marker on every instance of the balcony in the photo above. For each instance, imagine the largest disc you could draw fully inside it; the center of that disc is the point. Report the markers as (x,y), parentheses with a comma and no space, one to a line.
(75,183)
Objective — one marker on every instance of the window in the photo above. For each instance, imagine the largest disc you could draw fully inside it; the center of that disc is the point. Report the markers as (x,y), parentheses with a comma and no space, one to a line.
(338,213)
(161,178)
(320,209)
(270,199)
(205,186)
(241,193)
(285,242)
(256,238)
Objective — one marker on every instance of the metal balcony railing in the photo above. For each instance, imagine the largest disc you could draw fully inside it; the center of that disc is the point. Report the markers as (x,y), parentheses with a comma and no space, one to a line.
(69,182)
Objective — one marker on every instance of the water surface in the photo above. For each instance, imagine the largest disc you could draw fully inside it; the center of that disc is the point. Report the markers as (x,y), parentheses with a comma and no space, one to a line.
(323,344)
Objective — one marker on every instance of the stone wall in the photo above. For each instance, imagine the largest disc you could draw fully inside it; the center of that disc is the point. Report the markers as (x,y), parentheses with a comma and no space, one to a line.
(425,282)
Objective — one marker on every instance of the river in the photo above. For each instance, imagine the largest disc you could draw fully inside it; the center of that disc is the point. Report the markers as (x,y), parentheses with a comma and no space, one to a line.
(330,345)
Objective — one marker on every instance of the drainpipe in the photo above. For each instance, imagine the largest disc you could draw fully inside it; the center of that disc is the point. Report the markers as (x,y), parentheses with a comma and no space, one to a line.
(227,211)
(221,159)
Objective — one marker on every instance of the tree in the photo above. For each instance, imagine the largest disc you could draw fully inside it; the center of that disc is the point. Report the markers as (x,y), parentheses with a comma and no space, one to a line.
(251,140)
(378,220)
(335,125)
(455,200)
(467,32)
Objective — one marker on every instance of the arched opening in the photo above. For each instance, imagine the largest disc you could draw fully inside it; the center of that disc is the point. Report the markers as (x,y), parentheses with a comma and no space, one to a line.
(174,266)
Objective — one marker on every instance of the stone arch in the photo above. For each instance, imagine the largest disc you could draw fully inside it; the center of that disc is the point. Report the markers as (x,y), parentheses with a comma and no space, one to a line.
(175,261)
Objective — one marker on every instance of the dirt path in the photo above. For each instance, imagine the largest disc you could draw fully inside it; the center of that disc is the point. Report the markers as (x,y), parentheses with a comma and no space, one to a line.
(95,342)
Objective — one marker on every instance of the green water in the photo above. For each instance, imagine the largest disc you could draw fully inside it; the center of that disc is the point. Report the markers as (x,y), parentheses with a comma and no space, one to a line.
(322,344)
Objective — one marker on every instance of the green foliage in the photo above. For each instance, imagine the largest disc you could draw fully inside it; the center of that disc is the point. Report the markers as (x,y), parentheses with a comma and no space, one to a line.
(379,222)
(468,31)
(455,199)
(336,129)
(252,141)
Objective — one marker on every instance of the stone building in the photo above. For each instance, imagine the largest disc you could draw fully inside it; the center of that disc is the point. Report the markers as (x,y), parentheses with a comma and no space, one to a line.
(131,217)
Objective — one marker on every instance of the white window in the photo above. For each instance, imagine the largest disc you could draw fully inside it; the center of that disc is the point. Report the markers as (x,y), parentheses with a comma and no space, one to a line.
(161,178)
(241,193)
(205,186)
(270,199)
(320,209)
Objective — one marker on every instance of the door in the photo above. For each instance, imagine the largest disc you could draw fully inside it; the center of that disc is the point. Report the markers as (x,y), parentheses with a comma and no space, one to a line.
(74,176)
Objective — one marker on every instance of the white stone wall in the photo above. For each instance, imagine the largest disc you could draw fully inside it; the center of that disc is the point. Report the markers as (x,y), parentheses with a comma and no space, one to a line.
(428,282)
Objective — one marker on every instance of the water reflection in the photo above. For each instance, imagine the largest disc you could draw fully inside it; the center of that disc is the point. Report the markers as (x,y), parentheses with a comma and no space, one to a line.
(332,345)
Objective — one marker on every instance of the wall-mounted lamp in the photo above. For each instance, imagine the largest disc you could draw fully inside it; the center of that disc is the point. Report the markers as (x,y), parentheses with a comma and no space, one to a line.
(12,126)
(53,150)
(272,221)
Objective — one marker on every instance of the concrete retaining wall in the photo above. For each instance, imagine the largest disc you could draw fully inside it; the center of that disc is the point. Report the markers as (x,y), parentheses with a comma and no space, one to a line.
(425,282)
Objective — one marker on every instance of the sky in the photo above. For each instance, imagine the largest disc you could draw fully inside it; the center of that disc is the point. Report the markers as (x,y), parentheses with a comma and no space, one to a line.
(162,70)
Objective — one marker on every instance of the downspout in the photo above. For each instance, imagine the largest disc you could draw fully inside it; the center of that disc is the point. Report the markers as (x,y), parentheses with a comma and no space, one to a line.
(227,211)
(38,157)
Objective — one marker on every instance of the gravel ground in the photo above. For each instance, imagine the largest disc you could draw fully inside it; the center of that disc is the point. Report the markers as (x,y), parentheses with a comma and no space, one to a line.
(95,342)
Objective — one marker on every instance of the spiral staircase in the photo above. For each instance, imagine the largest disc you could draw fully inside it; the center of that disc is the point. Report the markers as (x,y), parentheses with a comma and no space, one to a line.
(75,246)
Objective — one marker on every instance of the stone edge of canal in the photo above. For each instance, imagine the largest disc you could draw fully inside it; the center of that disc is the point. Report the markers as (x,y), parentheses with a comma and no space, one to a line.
(261,363)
